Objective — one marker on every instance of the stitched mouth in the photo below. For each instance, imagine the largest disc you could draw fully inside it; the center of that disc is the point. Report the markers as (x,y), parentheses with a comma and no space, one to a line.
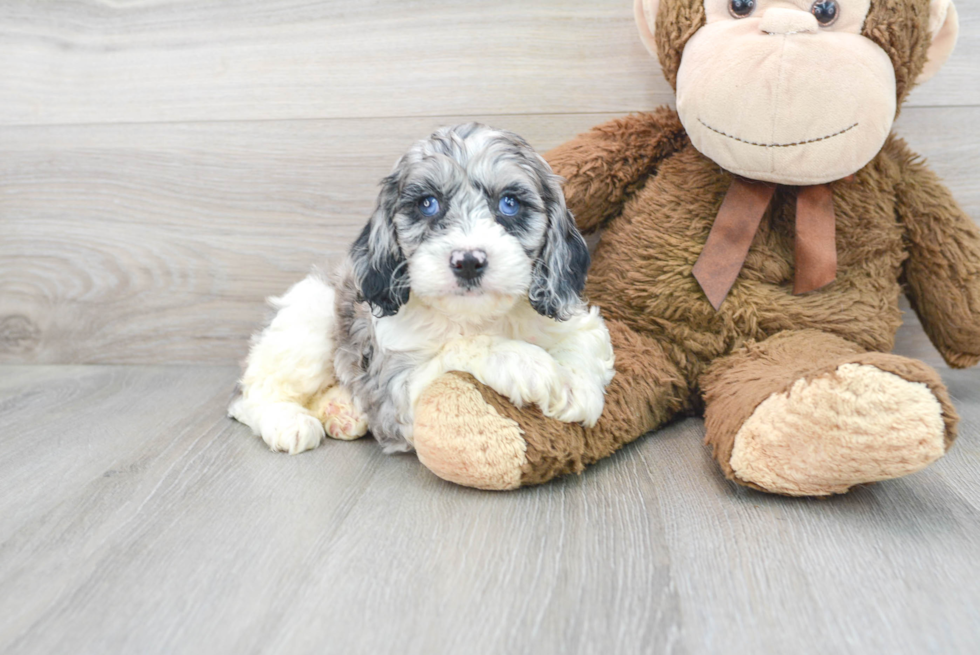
(778,145)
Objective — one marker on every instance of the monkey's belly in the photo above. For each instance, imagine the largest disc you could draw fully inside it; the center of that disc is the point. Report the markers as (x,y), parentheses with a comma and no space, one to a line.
(641,275)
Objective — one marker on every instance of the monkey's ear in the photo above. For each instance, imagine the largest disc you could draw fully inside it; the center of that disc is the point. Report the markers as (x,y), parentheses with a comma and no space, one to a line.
(678,21)
(645,13)
(944,27)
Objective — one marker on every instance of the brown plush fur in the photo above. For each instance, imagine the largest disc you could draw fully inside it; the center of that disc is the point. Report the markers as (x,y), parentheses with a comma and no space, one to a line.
(676,23)
(641,278)
(942,274)
(656,197)
(901,29)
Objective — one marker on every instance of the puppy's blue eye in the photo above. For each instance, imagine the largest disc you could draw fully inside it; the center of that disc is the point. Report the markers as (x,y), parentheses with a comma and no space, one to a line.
(509,205)
(429,206)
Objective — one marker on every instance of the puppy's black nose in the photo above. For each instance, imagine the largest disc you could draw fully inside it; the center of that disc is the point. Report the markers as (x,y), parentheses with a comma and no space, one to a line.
(468,264)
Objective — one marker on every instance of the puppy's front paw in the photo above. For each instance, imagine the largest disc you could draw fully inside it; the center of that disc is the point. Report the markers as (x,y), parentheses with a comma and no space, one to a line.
(290,429)
(522,372)
(576,401)
(525,373)
(339,415)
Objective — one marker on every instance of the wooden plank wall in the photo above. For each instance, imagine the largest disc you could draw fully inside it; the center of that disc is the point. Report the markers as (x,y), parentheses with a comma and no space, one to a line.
(165,165)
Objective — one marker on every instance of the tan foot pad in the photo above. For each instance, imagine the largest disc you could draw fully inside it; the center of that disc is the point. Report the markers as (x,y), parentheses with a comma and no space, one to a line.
(461,438)
(856,425)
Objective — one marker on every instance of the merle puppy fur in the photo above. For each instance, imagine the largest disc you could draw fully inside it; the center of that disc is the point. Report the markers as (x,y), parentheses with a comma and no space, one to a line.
(470,262)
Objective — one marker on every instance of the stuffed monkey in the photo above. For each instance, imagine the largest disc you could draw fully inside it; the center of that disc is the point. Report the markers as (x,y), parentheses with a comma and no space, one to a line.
(754,246)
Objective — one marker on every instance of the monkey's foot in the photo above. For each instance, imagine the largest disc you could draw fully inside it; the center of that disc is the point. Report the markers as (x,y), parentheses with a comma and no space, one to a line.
(463,439)
(854,425)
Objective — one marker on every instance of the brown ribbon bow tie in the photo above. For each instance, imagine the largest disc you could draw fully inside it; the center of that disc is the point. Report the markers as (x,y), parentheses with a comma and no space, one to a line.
(735,227)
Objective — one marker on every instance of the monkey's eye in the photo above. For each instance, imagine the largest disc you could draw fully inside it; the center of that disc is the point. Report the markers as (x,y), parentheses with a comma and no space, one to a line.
(429,206)
(826,12)
(509,205)
(741,8)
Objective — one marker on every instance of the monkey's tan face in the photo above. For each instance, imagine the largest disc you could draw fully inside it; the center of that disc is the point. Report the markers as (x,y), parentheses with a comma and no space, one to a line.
(786,91)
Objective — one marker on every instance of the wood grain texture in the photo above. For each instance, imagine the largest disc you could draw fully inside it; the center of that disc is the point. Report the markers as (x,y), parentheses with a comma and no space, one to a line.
(137,519)
(178,60)
(158,243)
(194,538)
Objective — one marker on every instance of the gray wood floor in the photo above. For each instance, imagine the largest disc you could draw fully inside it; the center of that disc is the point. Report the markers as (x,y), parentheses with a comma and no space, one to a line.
(138,519)
(165,165)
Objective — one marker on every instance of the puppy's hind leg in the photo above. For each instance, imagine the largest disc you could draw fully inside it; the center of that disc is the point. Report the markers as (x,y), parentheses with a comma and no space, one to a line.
(338,412)
(289,364)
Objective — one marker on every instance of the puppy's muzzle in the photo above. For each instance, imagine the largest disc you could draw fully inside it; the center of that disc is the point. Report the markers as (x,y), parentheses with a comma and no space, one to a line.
(468,265)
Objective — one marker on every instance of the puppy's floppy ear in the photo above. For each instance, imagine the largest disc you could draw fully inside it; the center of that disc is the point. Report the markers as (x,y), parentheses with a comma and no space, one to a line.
(379,264)
(558,276)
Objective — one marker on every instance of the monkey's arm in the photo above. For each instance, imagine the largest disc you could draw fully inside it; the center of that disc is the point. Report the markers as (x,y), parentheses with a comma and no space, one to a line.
(942,274)
(604,166)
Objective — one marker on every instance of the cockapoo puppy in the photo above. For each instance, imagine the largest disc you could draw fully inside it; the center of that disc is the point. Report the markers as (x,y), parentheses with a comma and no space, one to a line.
(470,262)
